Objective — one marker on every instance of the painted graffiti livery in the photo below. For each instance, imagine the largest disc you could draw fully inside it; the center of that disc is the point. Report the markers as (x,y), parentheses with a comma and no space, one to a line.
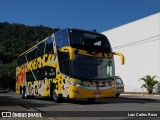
(70,63)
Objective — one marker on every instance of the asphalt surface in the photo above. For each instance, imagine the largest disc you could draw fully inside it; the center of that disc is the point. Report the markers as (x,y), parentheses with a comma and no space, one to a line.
(102,109)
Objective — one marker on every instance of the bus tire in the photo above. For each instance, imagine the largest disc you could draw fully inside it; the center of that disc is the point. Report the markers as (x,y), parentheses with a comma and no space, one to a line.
(23,93)
(117,95)
(91,100)
(57,98)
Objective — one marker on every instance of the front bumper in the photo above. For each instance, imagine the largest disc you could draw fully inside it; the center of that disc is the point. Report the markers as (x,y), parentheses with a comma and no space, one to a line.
(79,92)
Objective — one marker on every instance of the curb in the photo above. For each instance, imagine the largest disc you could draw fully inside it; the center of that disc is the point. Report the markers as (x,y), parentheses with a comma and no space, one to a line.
(140,95)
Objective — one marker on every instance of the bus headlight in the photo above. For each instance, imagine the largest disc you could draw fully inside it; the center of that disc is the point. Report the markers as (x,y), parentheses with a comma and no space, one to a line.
(74,84)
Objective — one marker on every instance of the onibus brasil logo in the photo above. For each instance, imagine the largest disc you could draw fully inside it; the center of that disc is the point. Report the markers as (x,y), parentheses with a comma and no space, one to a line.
(20,114)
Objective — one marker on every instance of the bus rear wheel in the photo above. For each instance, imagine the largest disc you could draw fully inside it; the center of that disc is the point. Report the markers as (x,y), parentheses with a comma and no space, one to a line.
(57,98)
(23,93)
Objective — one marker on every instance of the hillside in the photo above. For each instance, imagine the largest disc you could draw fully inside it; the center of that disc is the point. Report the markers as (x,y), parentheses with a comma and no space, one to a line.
(14,40)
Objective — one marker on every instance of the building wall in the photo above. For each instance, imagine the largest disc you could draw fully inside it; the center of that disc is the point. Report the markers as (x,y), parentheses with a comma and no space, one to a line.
(139,41)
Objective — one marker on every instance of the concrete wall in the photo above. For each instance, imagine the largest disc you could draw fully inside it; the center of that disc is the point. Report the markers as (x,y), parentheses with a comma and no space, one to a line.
(139,41)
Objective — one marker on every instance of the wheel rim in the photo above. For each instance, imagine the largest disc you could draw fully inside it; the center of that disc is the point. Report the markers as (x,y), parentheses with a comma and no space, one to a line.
(55,96)
(22,92)
(25,95)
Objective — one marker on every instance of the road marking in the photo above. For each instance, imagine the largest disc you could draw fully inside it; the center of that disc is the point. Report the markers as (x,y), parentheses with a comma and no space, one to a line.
(21,107)
(27,108)
(80,106)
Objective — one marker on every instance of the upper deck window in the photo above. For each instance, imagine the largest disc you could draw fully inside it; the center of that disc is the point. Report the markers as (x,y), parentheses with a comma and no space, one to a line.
(61,38)
(89,40)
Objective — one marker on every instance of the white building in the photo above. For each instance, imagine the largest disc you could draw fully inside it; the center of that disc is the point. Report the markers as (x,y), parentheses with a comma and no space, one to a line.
(139,42)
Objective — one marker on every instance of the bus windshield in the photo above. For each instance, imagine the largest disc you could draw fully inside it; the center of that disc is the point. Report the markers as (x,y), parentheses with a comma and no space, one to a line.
(89,40)
(93,67)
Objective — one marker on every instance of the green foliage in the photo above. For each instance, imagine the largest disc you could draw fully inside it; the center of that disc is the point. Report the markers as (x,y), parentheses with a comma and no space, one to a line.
(14,40)
(149,82)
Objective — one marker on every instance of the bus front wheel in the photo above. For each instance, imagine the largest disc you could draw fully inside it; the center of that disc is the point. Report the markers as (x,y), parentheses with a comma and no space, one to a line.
(57,98)
(117,95)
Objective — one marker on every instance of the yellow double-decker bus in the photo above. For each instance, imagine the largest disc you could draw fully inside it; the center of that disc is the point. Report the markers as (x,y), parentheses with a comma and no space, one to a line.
(71,63)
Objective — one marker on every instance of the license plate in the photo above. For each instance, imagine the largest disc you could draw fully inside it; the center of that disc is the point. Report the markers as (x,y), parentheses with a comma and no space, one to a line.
(97,93)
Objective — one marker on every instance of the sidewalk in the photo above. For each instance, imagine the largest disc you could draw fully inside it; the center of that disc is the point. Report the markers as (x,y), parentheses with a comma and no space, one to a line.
(141,96)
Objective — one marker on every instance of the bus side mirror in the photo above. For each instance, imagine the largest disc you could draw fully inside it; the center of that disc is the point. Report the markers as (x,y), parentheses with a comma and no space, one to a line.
(121,56)
(71,54)
(69,50)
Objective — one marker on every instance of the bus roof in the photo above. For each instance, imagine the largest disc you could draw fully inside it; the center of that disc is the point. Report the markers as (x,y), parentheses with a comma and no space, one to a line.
(34,46)
(53,35)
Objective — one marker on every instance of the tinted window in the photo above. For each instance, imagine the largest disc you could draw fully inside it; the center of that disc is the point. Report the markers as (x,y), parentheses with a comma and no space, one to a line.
(49,46)
(89,40)
(41,73)
(61,38)
(64,62)
(29,76)
(40,50)
(31,55)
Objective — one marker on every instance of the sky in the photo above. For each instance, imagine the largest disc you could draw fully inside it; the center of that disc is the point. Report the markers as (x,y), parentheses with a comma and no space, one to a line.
(101,15)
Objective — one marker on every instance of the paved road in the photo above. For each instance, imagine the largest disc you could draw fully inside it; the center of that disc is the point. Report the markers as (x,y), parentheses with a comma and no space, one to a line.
(12,102)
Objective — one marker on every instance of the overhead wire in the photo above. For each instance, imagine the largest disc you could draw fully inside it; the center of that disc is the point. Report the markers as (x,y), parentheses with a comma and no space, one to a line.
(138,42)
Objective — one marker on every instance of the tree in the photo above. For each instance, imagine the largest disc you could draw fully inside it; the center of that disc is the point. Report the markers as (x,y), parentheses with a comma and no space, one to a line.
(149,83)
(14,40)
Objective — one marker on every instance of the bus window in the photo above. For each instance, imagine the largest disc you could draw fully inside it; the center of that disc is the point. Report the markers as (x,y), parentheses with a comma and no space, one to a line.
(61,38)
(76,37)
(49,46)
(40,50)
(31,55)
(64,62)
(92,67)
(29,76)
(89,40)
